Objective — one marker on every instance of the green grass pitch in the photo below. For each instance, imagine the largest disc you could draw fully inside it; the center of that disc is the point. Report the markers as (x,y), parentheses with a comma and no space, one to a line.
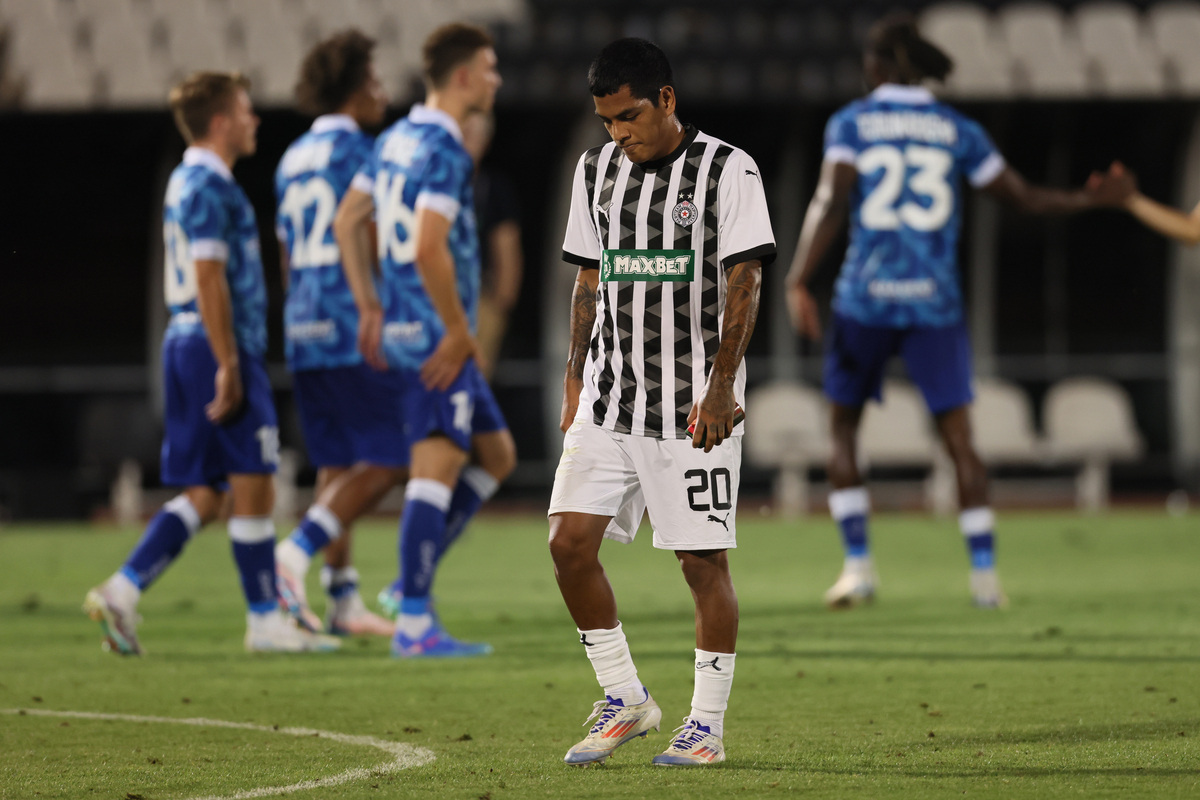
(1087,686)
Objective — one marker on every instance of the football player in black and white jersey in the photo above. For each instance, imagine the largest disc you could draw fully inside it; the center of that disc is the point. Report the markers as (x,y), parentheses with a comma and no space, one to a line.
(670,231)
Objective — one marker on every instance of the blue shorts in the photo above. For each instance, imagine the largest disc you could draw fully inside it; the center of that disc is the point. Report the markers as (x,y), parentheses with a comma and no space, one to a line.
(351,415)
(938,361)
(465,409)
(195,451)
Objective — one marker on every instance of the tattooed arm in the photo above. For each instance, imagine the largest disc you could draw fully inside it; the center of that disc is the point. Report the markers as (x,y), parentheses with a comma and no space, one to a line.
(713,412)
(583,317)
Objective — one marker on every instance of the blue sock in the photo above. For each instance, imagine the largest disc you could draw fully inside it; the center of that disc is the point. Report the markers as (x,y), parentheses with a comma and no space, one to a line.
(977,525)
(475,486)
(339,583)
(850,508)
(421,531)
(163,541)
(318,528)
(254,551)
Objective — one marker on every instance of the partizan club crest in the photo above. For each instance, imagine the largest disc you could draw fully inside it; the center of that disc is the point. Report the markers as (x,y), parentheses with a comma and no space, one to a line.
(685,212)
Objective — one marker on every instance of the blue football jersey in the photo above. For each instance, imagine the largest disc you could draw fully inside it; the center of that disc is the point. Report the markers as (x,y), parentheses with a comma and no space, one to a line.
(420,162)
(207,216)
(911,153)
(320,319)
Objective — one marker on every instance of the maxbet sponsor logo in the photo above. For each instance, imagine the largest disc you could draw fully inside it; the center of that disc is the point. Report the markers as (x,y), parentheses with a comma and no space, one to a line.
(648,265)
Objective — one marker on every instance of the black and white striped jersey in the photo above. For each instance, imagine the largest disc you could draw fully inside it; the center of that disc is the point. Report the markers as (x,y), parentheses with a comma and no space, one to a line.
(662,235)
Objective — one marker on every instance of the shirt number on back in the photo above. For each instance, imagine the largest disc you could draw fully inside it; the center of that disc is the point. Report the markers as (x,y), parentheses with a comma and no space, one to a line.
(879,211)
(180,272)
(392,215)
(310,248)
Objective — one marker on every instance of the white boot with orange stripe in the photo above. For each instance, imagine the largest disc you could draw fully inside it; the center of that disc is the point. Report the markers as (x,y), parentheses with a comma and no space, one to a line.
(694,745)
(615,725)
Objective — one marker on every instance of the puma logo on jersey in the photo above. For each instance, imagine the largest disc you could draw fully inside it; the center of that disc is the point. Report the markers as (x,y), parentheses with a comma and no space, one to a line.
(752,172)
(713,664)
(715,518)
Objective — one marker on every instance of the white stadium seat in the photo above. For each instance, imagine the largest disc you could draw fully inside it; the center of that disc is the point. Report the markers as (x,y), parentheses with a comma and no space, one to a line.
(787,428)
(1048,59)
(897,431)
(271,49)
(195,38)
(121,55)
(43,54)
(1002,424)
(981,63)
(1122,57)
(1175,27)
(1090,420)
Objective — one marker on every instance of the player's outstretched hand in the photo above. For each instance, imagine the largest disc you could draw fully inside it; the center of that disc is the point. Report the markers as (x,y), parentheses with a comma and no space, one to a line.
(228,398)
(1114,187)
(442,368)
(713,417)
(370,337)
(802,309)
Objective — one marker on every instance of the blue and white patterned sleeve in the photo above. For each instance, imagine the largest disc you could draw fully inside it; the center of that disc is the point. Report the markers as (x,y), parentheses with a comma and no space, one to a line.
(442,181)
(978,157)
(204,217)
(364,179)
(841,138)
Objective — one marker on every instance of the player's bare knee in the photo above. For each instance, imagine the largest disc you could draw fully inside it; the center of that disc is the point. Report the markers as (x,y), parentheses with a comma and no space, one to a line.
(703,569)
(206,501)
(499,457)
(569,543)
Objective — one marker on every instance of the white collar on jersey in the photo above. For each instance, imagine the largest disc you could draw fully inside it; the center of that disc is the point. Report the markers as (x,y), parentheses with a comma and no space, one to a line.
(334,122)
(899,93)
(424,115)
(203,156)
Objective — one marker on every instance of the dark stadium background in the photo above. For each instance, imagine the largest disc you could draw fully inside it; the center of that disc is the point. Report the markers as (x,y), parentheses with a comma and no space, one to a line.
(80,221)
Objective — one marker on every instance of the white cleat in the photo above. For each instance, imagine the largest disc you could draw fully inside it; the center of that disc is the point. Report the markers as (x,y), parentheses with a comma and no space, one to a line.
(694,745)
(615,725)
(119,625)
(294,598)
(985,589)
(275,633)
(349,616)
(855,586)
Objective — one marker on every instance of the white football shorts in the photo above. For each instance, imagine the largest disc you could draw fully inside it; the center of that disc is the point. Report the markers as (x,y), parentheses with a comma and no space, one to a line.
(691,495)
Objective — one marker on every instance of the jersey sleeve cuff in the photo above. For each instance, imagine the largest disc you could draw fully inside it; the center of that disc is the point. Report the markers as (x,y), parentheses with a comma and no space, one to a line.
(442,204)
(580,261)
(840,154)
(363,183)
(988,171)
(210,250)
(764,253)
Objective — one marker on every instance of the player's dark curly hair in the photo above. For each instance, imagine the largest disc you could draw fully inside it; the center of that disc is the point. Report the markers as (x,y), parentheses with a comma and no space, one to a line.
(898,45)
(636,63)
(333,71)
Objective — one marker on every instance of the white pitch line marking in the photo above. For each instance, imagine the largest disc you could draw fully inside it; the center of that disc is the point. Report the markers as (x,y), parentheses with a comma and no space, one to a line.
(404,755)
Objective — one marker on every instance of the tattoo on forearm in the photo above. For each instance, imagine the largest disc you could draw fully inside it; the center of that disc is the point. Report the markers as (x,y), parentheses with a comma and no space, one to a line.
(741,312)
(583,317)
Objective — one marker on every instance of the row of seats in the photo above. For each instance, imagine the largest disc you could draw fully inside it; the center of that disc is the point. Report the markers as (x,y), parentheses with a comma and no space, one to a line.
(1087,422)
(1104,48)
(73,53)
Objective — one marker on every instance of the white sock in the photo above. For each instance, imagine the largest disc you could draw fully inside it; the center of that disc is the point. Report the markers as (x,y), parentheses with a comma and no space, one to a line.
(609,653)
(267,619)
(292,557)
(414,625)
(714,679)
(123,591)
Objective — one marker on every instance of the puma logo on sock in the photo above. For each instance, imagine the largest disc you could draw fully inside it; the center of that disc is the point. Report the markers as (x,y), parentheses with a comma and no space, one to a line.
(713,664)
